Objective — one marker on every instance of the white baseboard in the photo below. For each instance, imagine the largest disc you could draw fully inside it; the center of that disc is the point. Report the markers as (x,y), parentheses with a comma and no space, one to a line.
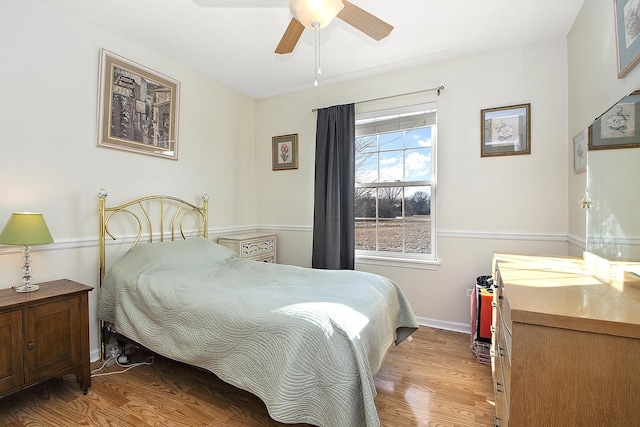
(447,326)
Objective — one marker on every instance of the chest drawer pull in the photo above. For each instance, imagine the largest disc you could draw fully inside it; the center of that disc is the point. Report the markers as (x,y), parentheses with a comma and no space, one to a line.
(31,345)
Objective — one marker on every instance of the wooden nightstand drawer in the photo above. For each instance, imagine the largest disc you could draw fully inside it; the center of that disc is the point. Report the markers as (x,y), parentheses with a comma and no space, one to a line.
(257,246)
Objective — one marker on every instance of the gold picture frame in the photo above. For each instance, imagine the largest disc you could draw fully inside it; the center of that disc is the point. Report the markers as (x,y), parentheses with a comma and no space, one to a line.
(138,108)
(627,35)
(580,151)
(617,127)
(284,152)
(505,131)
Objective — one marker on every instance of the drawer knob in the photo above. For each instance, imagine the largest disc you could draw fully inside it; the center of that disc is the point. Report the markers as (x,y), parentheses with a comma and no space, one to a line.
(31,345)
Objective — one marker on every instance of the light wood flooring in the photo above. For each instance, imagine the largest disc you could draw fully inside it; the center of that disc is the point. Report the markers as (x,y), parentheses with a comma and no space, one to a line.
(433,380)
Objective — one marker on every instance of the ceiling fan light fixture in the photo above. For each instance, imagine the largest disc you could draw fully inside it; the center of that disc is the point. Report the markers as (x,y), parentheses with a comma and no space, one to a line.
(320,11)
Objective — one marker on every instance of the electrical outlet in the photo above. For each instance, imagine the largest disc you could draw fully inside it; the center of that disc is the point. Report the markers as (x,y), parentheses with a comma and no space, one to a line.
(110,348)
(112,351)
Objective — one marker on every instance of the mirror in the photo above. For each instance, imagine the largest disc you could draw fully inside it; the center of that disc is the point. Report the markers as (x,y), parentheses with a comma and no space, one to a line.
(613,182)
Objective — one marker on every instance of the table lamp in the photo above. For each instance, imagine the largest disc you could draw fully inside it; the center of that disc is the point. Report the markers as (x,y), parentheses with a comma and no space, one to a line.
(26,229)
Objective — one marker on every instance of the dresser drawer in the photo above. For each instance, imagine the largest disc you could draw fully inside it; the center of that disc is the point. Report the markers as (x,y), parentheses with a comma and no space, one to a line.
(257,247)
(505,312)
(506,329)
(500,380)
(501,350)
(266,258)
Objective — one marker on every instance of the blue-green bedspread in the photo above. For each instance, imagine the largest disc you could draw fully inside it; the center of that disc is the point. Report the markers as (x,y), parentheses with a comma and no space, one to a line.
(305,341)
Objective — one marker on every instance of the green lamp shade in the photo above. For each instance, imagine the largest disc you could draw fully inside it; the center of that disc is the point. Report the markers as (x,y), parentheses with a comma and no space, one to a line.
(25,228)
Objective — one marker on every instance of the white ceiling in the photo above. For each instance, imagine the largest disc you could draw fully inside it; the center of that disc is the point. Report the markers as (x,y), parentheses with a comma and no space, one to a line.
(235,45)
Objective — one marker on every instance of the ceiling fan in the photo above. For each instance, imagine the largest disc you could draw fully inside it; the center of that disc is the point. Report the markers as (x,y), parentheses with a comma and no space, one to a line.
(313,14)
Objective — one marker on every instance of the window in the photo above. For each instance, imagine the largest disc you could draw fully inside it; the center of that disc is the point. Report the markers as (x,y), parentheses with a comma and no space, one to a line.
(395,186)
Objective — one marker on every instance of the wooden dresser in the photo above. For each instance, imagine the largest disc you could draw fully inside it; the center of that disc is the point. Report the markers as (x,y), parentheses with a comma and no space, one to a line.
(255,245)
(566,346)
(44,334)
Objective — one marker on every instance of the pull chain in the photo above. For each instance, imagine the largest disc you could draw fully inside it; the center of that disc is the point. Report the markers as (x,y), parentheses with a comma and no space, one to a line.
(317,71)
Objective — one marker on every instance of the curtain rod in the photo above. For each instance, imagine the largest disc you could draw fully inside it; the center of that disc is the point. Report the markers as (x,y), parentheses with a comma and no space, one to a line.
(437,88)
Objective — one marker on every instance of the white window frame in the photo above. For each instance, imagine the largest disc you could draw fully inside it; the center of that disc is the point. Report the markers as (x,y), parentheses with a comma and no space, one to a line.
(397,259)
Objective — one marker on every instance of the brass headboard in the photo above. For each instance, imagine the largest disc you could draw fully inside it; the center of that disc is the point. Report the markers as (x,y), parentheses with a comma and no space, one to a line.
(150,210)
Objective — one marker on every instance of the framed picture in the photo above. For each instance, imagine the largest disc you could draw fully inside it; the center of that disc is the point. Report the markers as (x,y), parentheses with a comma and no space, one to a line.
(505,131)
(627,13)
(617,127)
(137,108)
(580,152)
(285,152)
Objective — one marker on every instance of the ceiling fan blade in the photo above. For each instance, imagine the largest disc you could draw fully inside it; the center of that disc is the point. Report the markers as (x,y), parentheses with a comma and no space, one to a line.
(364,21)
(291,36)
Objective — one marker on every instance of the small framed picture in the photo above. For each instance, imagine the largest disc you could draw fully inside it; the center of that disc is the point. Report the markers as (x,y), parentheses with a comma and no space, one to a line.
(505,131)
(580,152)
(627,13)
(285,152)
(617,127)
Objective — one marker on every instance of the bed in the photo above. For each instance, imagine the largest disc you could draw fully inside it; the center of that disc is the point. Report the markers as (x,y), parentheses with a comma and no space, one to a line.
(307,342)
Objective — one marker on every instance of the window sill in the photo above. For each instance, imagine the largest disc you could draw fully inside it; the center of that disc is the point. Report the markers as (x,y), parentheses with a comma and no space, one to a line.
(397,261)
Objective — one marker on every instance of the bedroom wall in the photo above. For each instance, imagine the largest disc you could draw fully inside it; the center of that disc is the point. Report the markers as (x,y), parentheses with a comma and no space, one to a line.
(511,204)
(593,87)
(49,161)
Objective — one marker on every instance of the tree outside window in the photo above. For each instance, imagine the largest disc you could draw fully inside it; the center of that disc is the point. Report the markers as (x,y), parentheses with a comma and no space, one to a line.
(394,184)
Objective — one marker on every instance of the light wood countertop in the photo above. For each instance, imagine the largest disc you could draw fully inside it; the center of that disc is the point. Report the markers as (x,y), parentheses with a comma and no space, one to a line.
(562,292)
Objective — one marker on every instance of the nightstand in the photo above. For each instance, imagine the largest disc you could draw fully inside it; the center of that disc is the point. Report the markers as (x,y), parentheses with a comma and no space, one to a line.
(255,245)
(44,334)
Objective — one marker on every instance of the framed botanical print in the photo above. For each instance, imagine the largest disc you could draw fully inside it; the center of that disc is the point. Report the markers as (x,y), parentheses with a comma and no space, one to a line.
(627,13)
(580,152)
(505,131)
(285,152)
(619,127)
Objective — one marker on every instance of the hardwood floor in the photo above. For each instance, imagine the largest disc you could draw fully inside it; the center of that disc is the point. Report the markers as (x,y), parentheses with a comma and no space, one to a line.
(433,380)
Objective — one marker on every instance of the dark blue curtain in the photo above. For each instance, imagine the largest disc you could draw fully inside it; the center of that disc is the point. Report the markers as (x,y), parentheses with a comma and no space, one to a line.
(334,204)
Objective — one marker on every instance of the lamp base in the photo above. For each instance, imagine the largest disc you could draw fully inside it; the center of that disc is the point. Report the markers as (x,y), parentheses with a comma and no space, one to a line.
(26,288)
